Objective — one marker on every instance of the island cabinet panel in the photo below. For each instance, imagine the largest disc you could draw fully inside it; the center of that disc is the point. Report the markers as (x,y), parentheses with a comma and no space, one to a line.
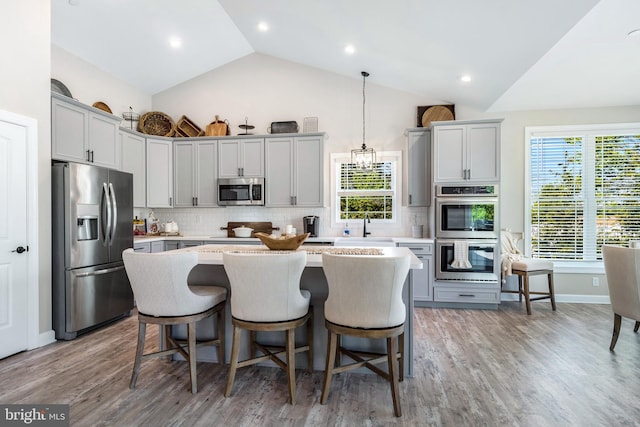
(241,158)
(195,173)
(159,173)
(422,280)
(466,152)
(83,134)
(419,167)
(294,171)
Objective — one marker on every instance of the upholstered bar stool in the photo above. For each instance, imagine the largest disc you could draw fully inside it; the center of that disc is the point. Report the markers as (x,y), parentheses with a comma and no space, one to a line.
(365,300)
(163,297)
(526,268)
(266,297)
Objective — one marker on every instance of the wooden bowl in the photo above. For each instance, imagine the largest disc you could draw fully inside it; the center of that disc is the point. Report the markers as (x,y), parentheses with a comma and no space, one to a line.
(287,244)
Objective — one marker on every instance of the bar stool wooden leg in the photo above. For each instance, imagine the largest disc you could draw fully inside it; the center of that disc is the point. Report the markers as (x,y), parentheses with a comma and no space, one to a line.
(527,297)
(191,342)
(220,327)
(142,330)
(310,340)
(332,346)
(392,345)
(291,364)
(233,364)
(401,351)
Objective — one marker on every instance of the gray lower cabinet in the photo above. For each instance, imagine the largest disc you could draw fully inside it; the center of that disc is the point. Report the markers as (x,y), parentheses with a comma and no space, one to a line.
(144,247)
(466,292)
(170,245)
(158,246)
(189,243)
(294,171)
(422,280)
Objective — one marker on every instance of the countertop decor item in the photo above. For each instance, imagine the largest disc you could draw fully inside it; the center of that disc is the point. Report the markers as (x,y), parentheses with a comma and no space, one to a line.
(156,123)
(282,243)
(283,127)
(102,106)
(246,126)
(58,87)
(435,113)
(217,128)
(364,158)
(263,227)
(187,128)
(131,117)
(310,125)
(242,231)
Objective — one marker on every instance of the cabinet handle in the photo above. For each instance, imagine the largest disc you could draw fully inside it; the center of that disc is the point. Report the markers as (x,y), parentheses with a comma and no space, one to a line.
(88,155)
(295,200)
(466,295)
(91,156)
(170,201)
(196,201)
(409,198)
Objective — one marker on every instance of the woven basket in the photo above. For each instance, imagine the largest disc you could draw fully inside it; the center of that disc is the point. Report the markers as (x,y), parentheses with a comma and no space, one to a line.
(156,123)
(288,244)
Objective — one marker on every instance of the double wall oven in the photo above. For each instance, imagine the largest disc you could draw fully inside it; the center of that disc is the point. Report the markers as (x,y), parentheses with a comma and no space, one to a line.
(467,233)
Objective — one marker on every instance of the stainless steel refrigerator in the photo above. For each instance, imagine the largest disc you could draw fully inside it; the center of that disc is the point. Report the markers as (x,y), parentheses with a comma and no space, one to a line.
(92,221)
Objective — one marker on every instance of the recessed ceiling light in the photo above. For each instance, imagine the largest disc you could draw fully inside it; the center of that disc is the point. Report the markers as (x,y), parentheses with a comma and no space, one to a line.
(634,33)
(465,78)
(263,27)
(349,49)
(175,42)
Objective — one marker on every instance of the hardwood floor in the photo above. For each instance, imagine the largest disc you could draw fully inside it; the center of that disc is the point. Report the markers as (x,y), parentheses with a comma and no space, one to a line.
(473,367)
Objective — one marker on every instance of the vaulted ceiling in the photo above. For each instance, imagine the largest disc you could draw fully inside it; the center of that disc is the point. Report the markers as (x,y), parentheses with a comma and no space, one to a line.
(519,55)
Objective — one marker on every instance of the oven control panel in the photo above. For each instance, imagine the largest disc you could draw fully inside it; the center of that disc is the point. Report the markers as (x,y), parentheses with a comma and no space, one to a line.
(467,190)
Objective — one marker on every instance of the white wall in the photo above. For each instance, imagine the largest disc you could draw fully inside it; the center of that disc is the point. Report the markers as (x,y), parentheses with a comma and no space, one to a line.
(25,45)
(266,89)
(89,84)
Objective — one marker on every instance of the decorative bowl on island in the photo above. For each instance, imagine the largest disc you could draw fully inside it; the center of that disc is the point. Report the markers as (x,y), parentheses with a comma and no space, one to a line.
(282,243)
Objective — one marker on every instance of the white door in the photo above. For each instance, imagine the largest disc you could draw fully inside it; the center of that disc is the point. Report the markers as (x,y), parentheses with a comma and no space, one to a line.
(13,239)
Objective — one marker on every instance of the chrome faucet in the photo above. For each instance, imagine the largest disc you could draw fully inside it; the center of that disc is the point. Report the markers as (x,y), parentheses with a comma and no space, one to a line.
(364,227)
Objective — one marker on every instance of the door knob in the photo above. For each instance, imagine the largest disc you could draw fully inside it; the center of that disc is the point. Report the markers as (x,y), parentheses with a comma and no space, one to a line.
(20,249)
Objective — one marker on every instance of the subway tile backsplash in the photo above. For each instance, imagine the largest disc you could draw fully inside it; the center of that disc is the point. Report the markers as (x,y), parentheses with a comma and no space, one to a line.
(207,221)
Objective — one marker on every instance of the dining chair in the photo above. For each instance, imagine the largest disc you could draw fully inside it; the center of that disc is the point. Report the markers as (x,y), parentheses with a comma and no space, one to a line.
(622,269)
(266,297)
(365,301)
(163,298)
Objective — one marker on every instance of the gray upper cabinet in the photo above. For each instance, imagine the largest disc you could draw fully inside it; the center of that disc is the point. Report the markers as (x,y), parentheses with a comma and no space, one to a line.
(294,171)
(83,134)
(159,173)
(241,157)
(466,151)
(195,173)
(133,160)
(419,170)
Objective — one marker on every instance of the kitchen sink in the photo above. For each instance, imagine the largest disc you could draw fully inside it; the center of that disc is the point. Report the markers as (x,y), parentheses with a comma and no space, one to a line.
(365,241)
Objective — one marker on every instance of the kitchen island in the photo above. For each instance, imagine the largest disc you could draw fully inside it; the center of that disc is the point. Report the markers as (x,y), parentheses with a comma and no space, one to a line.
(210,271)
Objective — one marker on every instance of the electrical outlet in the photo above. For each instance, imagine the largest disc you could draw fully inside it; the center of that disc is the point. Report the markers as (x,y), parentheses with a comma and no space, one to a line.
(595,281)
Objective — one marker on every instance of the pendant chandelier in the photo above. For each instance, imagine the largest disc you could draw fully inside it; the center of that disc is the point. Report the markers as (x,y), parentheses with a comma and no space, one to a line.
(363,158)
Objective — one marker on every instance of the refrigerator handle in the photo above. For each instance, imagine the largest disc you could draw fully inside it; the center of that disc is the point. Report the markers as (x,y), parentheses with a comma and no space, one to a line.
(114,207)
(100,272)
(107,232)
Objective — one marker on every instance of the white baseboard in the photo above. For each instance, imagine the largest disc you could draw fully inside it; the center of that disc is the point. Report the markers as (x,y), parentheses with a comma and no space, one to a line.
(45,338)
(582,299)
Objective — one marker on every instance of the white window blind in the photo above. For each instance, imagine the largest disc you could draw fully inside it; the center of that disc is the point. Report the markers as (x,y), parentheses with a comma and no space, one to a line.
(584,191)
(366,192)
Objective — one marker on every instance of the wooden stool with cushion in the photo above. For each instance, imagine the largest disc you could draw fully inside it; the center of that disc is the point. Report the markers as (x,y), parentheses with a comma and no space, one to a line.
(163,297)
(365,301)
(526,268)
(266,297)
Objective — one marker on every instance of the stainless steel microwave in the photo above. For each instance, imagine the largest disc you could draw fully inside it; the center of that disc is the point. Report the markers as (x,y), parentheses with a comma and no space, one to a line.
(241,191)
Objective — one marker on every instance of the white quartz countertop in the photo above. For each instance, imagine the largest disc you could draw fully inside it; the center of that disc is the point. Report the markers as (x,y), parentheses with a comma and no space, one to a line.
(212,254)
(319,240)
